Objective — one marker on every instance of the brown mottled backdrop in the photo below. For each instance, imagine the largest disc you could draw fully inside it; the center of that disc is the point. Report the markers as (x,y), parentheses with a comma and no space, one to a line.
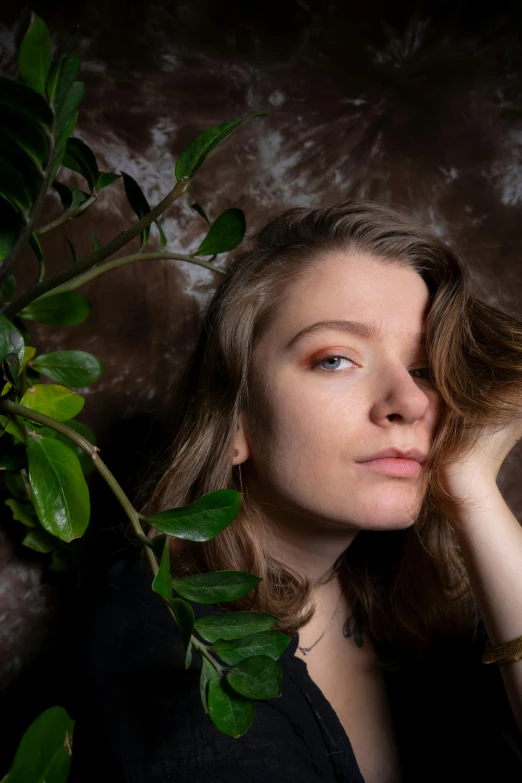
(417,103)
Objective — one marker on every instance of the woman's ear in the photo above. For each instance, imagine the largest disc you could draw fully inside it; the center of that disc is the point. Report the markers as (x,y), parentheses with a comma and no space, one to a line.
(241,448)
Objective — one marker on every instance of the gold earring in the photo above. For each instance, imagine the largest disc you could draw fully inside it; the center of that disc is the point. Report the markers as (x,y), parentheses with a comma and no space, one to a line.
(240,478)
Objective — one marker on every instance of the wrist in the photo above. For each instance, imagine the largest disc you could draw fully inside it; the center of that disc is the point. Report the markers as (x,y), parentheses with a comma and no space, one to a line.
(475,505)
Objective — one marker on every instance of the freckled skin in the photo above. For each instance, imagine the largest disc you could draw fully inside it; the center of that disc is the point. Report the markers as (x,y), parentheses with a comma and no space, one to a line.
(306,427)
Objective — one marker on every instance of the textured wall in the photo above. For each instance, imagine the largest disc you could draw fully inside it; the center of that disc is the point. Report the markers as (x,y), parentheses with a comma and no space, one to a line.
(415,103)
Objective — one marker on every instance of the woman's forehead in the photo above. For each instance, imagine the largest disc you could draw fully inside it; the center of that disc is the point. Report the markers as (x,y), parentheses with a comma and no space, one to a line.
(370,296)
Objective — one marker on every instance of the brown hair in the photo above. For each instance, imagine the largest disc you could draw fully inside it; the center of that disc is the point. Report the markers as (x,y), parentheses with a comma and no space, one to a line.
(408,587)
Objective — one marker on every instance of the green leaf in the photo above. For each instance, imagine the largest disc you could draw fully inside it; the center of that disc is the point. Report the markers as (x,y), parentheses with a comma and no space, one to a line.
(79,157)
(23,512)
(233,625)
(65,193)
(185,620)
(269,643)
(7,289)
(16,427)
(69,70)
(207,673)
(52,81)
(68,110)
(21,328)
(226,233)
(58,489)
(53,400)
(29,353)
(230,712)
(215,587)
(44,752)
(203,519)
(12,455)
(206,142)
(163,238)
(11,223)
(61,144)
(40,541)
(15,484)
(34,56)
(138,202)
(199,209)
(73,251)
(162,583)
(32,174)
(21,98)
(12,187)
(72,368)
(11,346)
(105,179)
(61,309)
(71,198)
(23,136)
(37,250)
(69,95)
(258,677)
(157,543)
(79,197)
(86,462)
(96,244)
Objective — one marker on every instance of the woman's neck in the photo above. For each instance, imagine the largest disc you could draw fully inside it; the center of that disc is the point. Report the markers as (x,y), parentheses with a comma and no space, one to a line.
(311,555)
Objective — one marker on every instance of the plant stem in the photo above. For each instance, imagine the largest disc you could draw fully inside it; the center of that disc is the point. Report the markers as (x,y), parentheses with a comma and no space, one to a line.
(76,282)
(14,408)
(67,215)
(13,308)
(25,233)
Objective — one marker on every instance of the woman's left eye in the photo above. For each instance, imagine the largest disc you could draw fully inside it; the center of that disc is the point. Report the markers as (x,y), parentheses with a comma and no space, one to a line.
(332,361)
(426,370)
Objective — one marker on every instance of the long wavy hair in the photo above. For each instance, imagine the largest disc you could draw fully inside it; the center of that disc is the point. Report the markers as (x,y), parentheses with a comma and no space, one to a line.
(407,587)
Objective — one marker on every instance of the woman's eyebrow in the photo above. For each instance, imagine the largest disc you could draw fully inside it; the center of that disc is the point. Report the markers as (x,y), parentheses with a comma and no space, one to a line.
(361,328)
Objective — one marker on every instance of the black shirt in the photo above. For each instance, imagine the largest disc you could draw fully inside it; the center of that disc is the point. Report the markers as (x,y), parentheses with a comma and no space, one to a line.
(142,721)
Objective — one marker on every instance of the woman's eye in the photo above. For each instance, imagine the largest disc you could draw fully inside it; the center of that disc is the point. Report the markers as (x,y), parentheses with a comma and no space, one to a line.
(332,363)
(426,370)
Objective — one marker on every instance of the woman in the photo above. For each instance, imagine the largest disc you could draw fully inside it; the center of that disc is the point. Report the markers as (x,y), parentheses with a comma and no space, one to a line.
(349,383)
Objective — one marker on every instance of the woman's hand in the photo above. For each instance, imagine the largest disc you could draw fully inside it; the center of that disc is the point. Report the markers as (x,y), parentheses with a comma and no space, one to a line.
(475,475)
(490,539)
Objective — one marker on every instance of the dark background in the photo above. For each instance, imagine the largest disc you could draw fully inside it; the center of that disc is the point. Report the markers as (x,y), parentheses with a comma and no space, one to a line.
(414,103)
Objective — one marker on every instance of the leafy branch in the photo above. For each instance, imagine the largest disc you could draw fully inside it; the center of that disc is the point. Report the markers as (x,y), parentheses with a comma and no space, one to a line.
(24,236)
(46,453)
(92,451)
(80,280)
(104,252)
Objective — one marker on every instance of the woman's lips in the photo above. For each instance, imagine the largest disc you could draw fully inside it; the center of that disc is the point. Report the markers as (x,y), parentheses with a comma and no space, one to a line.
(393,466)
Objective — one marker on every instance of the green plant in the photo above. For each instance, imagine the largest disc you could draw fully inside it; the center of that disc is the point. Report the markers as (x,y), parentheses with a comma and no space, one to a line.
(45,452)
(44,752)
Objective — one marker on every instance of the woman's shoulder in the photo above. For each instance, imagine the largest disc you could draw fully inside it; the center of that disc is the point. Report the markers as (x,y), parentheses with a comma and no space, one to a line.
(153,723)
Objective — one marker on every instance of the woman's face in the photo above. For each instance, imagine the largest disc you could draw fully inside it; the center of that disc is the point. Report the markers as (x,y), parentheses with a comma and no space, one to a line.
(326,399)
